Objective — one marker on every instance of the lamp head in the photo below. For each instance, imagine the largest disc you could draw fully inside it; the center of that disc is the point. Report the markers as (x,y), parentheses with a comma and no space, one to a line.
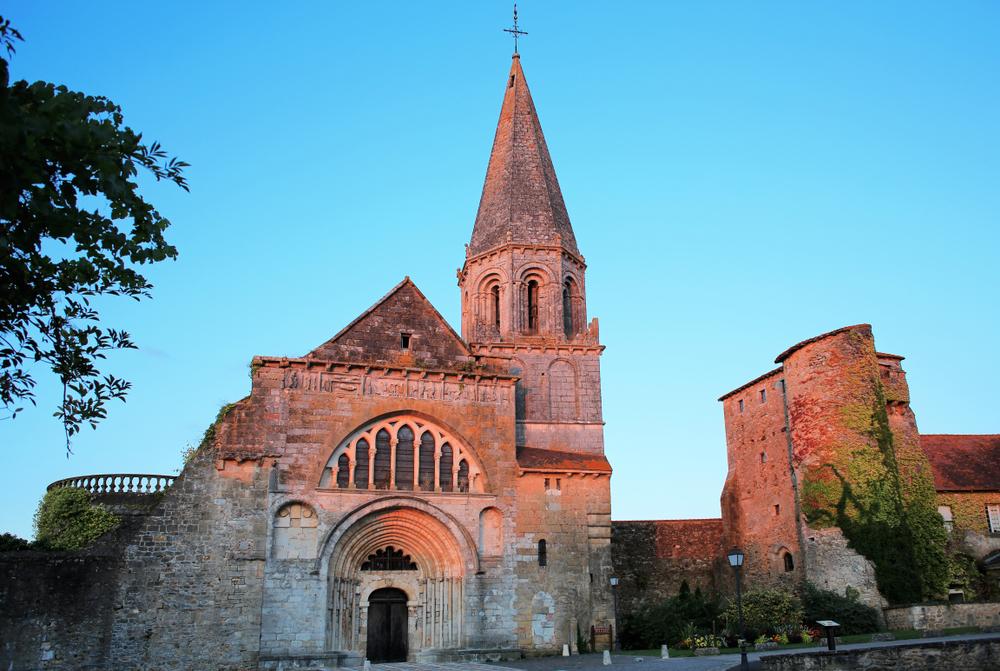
(614,581)
(735,557)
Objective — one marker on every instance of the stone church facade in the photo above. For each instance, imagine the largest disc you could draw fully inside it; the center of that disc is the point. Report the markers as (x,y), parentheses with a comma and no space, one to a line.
(402,492)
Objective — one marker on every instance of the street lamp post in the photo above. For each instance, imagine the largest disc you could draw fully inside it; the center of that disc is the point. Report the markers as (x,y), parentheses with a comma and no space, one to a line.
(736,561)
(614,591)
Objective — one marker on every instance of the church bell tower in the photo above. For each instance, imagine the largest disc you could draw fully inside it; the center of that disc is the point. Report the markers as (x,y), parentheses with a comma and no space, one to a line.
(523,287)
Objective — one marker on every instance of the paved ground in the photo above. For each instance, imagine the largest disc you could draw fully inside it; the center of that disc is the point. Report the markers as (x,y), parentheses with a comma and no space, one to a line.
(631,663)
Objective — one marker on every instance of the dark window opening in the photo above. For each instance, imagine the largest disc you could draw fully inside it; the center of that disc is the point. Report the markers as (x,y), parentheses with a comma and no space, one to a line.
(763,396)
(389,559)
(383,459)
(763,458)
(463,476)
(511,84)
(777,509)
(426,471)
(404,458)
(343,471)
(542,555)
(495,300)
(444,475)
(567,311)
(741,405)
(361,465)
(532,306)
(789,562)
(404,340)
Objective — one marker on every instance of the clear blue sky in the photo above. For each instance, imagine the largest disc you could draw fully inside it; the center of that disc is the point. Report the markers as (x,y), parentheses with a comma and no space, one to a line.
(740,177)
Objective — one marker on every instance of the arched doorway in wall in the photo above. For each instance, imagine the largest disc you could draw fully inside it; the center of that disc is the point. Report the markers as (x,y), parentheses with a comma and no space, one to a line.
(412,548)
(387,625)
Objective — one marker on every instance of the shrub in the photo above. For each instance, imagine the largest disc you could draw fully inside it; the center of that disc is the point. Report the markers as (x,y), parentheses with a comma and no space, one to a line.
(853,616)
(65,520)
(656,625)
(10,542)
(767,609)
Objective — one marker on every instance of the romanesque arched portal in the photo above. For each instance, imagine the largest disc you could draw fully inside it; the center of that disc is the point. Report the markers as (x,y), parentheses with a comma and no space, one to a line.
(402,544)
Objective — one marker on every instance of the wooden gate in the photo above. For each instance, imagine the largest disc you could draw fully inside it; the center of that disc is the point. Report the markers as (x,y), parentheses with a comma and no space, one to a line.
(387,626)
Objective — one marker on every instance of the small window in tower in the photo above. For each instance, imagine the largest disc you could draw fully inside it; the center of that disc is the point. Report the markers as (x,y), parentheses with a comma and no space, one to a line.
(543,559)
(789,563)
(741,405)
(558,484)
(495,299)
(511,84)
(777,509)
(404,340)
(763,458)
(546,484)
(567,311)
(532,306)
(763,396)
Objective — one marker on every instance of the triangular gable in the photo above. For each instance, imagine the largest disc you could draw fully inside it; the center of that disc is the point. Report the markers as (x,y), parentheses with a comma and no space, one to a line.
(377,335)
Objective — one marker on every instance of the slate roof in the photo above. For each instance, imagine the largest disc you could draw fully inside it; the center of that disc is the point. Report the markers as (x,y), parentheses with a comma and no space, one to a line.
(521,195)
(963,463)
(558,461)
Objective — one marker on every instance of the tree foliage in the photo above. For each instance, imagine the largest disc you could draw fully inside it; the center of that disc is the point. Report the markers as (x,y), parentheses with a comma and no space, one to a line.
(853,616)
(667,623)
(766,608)
(67,520)
(72,227)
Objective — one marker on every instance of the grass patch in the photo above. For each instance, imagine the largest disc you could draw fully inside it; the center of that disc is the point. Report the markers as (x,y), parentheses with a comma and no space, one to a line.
(906,635)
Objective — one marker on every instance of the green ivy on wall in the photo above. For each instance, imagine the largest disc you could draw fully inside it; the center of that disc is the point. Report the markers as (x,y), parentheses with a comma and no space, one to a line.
(878,488)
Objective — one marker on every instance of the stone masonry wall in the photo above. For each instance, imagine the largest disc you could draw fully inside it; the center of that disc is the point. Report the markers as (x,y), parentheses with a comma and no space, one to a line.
(758,495)
(191,589)
(828,378)
(974,655)
(573,517)
(941,615)
(57,608)
(653,557)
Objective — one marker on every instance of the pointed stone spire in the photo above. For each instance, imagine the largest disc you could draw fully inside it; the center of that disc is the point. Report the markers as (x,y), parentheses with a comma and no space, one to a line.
(521,200)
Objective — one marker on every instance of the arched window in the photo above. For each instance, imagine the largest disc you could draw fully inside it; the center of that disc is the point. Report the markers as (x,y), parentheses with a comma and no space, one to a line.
(495,304)
(404,458)
(543,559)
(343,471)
(567,311)
(389,559)
(383,459)
(361,467)
(426,475)
(789,563)
(532,306)
(446,462)
(406,453)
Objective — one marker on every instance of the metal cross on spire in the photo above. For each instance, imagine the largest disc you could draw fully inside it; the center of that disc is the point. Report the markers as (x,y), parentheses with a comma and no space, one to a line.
(515,32)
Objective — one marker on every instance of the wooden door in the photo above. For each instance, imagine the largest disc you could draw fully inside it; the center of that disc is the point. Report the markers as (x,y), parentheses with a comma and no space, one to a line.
(387,626)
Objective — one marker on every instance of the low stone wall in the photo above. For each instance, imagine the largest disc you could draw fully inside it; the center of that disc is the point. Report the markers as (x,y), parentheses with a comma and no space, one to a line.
(968,655)
(942,615)
(57,608)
